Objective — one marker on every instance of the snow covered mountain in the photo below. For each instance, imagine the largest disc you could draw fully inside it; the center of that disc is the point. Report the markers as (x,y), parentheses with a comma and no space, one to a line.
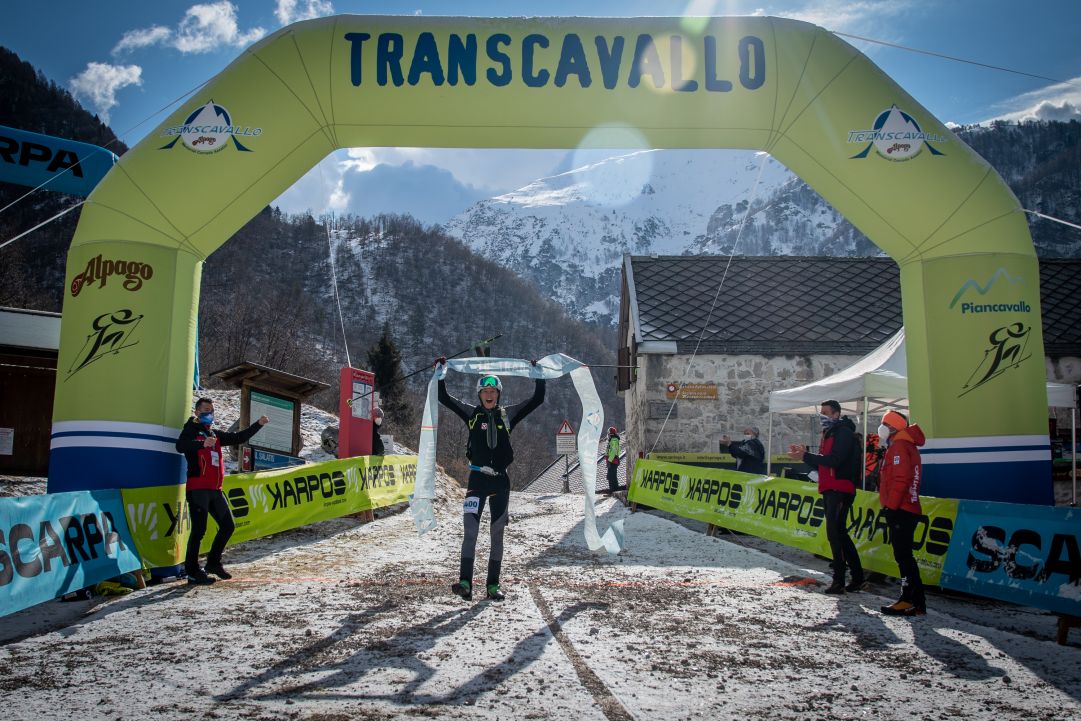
(568,233)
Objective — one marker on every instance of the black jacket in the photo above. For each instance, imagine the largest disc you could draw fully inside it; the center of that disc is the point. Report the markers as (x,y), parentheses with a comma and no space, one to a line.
(750,455)
(489,431)
(189,444)
(377,442)
(845,457)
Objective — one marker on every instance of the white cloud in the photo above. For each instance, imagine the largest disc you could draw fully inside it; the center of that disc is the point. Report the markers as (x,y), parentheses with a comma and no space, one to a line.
(287,12)
(203,28)
(860,16)
(1061,101)
(99,83)
(208,27)
(134,39)
(495,170)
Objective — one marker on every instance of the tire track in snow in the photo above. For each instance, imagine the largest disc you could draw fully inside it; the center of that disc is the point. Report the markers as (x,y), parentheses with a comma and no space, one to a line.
(611,707)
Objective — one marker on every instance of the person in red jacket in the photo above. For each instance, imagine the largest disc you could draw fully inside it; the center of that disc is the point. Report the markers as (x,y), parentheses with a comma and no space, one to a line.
(201,446)
(838,467)
(899,495)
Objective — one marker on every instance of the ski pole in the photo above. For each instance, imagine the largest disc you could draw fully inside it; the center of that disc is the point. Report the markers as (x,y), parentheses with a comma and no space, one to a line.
(487,341)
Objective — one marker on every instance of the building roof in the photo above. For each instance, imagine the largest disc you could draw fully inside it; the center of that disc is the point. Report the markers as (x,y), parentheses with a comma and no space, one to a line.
(270,379)
(550,480)
(35,330)
(785,305)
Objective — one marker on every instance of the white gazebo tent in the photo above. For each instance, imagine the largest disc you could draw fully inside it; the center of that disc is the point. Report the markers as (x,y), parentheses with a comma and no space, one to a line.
(879,381)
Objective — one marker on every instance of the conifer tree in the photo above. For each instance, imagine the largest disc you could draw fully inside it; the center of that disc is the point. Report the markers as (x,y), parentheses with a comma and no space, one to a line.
(385,360)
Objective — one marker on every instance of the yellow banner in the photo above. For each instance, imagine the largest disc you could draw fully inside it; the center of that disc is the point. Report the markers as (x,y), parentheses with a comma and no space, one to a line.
(790,512)
(269,502)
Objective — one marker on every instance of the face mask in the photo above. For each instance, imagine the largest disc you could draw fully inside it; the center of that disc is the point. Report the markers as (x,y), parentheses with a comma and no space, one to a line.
(748,436)
(378,421)
(884,433)
(206,418)
(825,420)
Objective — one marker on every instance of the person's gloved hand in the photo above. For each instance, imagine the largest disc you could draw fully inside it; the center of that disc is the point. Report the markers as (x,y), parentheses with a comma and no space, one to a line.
(533,362)
(441,360)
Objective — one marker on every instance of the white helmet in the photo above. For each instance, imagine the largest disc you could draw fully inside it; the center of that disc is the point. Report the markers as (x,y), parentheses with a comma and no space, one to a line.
(489,382)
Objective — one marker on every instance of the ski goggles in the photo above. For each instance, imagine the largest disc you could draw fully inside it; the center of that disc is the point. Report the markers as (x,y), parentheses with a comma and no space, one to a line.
(489,382)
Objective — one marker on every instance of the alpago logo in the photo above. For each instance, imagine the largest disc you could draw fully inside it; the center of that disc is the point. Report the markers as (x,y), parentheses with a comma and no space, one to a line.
(209,130)
(99,271)
(895,135)
(1021,306)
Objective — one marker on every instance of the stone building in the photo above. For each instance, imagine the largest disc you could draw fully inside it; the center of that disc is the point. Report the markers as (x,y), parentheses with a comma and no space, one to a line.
(776,322)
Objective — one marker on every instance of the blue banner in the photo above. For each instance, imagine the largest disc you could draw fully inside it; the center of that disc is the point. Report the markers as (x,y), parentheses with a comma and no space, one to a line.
(1025,554)
(59,542)
(66,166)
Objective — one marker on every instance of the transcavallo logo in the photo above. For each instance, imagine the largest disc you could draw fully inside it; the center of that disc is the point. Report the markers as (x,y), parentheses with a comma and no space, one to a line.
(209,130)
(971,284)
(895,135)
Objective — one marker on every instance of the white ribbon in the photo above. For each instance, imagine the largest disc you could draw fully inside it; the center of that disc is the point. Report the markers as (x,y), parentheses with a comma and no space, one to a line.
(589,434)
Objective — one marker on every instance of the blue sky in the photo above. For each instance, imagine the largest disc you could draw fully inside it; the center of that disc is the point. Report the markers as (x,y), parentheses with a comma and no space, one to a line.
(130,61)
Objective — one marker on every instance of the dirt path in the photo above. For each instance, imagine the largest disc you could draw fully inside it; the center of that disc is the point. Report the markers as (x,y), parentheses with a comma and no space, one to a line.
(348,621)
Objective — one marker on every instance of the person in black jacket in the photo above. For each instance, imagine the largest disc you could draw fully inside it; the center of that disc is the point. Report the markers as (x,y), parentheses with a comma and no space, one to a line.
(749,453)
(202,447)
(489,452)
(838,467)
(377,441)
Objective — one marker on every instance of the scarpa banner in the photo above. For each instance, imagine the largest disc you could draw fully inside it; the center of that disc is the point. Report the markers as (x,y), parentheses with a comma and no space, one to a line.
(1019,553)
(272,501)
(790,512)
(65,166)
(54,543)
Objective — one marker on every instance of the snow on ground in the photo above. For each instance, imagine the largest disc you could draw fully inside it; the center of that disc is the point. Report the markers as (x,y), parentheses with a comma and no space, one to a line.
(342,620)
(349,620)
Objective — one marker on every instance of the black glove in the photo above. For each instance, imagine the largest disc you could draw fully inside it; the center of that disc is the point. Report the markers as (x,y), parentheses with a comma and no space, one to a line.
(533,362)
(441,360)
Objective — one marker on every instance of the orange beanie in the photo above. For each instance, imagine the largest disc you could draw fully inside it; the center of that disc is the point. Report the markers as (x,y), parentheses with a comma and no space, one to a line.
(894,420)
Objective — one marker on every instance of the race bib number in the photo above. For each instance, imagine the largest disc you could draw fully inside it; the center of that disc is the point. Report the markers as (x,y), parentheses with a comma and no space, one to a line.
(214,459)
(471,505)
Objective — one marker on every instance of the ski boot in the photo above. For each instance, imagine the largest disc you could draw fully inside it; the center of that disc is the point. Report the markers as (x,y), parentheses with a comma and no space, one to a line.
(494,594)
(463,588)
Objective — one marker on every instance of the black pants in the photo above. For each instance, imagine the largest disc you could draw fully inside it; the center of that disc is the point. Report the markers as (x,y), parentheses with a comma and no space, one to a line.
(202,503)
(496,491)
(841,546)
(902,529)
(613,477)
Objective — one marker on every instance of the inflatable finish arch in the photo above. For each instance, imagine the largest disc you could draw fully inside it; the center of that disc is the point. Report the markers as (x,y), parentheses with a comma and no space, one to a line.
(969,274)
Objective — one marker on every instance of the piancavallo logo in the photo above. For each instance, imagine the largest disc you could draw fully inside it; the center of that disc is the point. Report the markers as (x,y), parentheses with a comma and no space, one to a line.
(1008,348)
(209,130)
(896,136)
(1001,274)
(110,333)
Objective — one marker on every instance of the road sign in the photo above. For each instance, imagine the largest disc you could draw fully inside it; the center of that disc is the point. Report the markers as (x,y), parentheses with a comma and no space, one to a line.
(566,439)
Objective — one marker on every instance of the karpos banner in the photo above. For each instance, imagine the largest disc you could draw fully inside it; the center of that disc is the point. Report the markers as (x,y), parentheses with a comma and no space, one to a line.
(271,501)
(1019,553)
(790,512)
(54,543)
(282,499)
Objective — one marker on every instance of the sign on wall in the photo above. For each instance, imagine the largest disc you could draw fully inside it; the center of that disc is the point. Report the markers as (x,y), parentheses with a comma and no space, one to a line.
(278,434)
(691,391)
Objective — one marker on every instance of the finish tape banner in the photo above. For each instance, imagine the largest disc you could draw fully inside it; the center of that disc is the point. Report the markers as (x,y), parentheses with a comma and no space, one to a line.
(1023,554)
(54,543)
(273,501)
(790,512)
